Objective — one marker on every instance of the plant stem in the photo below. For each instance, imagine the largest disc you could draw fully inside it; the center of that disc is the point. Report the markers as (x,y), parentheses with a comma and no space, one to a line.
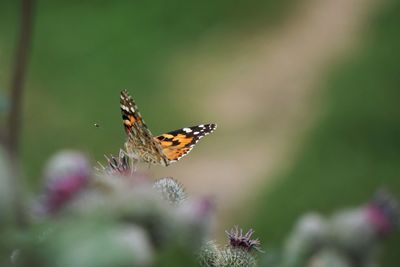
(14,116)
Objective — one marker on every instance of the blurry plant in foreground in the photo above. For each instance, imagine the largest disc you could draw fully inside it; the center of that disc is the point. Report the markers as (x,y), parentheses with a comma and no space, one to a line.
(348,238)
(118,217)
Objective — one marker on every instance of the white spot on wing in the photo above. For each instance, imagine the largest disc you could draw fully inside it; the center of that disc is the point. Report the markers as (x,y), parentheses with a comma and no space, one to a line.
(187,130)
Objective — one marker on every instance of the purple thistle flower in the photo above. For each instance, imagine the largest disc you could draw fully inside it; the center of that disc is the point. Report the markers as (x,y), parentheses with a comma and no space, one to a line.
(66,173)
(239,240)
(384,212)
(117,166)
(63,190)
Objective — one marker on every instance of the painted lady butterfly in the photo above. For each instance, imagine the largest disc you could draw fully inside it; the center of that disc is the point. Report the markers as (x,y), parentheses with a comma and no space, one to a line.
(163,149)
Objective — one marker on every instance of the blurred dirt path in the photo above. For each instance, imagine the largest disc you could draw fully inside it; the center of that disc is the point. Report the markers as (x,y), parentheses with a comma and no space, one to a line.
(261,88)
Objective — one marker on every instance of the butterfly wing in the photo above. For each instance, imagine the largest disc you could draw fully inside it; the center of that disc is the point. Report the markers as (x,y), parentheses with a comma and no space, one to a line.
(134,125)
(179,143)
(141,144)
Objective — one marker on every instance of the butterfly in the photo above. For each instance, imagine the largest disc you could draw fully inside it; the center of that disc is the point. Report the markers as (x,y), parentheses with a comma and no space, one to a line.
(163,149)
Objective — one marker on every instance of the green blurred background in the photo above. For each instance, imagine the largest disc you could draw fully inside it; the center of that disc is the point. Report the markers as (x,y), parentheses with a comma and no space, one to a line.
(175,56)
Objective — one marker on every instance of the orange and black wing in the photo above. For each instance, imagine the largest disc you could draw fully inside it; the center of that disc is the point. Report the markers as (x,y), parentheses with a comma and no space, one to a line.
(177,144)
(134,125)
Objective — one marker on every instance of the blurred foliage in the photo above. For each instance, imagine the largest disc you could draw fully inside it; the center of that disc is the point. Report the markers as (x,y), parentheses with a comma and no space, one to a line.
(82,219)
(354,148)
(116,217)
(85,52)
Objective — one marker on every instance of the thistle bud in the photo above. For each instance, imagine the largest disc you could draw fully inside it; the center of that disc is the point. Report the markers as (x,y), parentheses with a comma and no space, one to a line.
(171,190)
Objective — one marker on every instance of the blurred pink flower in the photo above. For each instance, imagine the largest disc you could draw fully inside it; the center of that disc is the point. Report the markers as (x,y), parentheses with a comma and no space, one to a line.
(66,173)
(384,212)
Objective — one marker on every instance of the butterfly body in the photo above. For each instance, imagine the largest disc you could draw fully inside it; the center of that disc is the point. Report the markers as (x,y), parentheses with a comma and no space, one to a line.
(163,149)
